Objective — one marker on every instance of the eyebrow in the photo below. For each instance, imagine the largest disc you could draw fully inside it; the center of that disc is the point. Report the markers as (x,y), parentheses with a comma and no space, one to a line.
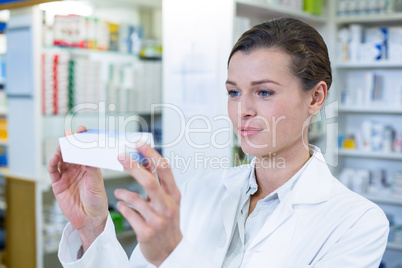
(254,83)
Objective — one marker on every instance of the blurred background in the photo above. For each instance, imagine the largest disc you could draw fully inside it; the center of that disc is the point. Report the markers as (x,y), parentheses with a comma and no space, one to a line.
(160,66)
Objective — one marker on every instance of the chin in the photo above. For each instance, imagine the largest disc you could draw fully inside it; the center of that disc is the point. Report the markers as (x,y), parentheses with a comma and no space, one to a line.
(258,152)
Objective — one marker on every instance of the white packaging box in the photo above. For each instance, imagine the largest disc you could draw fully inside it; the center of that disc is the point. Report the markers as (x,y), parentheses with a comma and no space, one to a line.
(101,148)
(395,52)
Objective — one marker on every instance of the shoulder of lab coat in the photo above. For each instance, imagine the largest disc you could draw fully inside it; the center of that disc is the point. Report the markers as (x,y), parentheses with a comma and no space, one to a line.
(356,229)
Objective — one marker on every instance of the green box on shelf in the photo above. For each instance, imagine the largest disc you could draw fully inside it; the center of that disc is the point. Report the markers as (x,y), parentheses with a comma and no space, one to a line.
(313,6)
(118,221)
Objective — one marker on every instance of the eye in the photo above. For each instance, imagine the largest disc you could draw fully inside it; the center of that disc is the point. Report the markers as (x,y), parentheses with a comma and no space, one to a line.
(264,93)
(233,93)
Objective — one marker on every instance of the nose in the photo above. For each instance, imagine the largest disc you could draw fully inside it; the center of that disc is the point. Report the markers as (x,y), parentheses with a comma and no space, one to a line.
(247,108)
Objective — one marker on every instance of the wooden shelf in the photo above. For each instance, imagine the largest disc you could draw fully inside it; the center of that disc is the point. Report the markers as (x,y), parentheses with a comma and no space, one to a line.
(370,19)
(375,155)
(368,65)
(265,10)
(376,110)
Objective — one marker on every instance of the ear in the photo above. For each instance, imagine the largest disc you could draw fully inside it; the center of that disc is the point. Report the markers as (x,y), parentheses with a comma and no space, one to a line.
(318,95)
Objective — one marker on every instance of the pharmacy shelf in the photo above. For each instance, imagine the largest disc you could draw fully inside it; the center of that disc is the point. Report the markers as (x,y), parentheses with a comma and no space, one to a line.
(368,65)
(84,52)
(4,171)
(3,142)
(370,19)
(376,110)
(376,155)
(315,136)
(394,246)
(389,200)
(264,10)
(52,249)
(3,111)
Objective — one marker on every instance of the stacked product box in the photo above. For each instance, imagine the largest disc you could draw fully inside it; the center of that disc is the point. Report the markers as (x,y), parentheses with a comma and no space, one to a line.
(373,182)
(86,84)
(372,91)
(147,85)
(357,43)
(72,79)
(54,223)
(55,83)
(93,33)
(78,31)
(397,184)
(120,87)
(373,136)
(134,87)
(364,7)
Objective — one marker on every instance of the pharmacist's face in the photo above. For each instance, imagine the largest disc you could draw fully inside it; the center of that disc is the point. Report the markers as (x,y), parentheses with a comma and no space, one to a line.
(266,105)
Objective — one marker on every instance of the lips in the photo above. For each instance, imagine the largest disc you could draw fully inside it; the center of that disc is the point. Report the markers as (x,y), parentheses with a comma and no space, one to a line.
(248,131)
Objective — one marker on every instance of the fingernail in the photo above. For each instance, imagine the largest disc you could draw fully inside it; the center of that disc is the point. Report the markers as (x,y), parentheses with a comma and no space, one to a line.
(122,158)
(116,192)
(141,144)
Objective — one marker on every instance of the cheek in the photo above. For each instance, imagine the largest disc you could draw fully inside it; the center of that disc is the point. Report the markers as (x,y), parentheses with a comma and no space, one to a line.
(289,117)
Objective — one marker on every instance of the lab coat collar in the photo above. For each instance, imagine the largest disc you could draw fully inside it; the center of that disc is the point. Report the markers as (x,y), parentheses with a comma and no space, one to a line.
(234,184)
(314,185)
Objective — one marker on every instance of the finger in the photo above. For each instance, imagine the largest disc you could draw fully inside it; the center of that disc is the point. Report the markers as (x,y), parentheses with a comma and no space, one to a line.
(141,229)
(53,168)
(68,132)
(149,168)
(162,167)
(94,172)
(136,202)
(61,165)
(144,178)
(81,129)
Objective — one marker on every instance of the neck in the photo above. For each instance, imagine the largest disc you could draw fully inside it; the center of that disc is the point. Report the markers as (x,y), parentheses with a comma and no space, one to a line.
(275,169)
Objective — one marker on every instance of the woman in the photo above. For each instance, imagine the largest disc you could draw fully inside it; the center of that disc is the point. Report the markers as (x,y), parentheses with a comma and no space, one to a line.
(266,214)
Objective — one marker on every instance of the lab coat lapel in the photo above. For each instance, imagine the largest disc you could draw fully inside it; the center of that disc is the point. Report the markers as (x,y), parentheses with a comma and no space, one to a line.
(232,197)
(313,186)
(281,214)
(229,207)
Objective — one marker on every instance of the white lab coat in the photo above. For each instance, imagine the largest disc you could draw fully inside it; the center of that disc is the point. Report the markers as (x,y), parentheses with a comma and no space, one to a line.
(320,223)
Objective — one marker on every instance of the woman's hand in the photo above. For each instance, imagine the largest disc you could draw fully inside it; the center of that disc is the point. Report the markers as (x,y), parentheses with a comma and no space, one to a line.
(81,195)
(156,221)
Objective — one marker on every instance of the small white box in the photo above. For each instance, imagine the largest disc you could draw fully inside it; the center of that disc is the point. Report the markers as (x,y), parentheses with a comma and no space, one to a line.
(101,148)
